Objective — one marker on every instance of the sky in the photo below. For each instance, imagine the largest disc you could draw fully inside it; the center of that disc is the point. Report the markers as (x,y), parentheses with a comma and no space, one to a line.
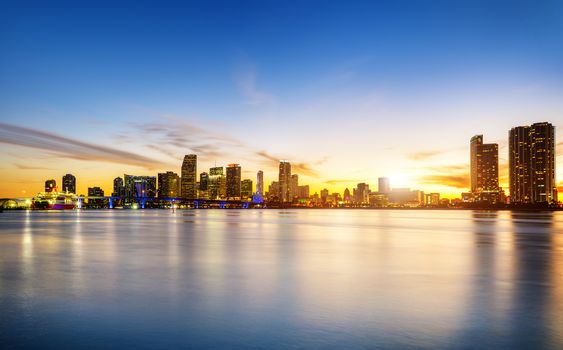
(348,91)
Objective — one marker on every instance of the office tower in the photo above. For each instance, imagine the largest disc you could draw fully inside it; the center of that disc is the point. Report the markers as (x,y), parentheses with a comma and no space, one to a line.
(484,170)
(50,185)
(324,195)
(189,177)
(137,187)
(260,183)
(203,187)
(532,163)
(118,188)
(303,192)
(347,196)
(216,180)
(69,183)
(284,181)
(274,190)
(168,185)
(246,189)
(384,185)
(293,187)
(542,162)
(361,193)
(233,181)
(95,192)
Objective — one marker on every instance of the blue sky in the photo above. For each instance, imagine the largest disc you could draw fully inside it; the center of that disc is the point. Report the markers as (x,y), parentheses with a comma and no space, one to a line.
(351,90)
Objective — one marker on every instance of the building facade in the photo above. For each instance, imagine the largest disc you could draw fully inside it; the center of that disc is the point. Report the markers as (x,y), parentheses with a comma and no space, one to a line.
(484,170)
(284,180)
(69,183)
(168,185)
(233,181)
(189,177)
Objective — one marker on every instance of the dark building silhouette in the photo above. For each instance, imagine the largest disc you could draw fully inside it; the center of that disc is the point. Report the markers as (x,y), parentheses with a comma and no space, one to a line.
(118,188)
(168,185)
(233,181)
(50,185)
(69,183)
(532,164)
(189,177)
(138,187)
(260,183)
(246,189)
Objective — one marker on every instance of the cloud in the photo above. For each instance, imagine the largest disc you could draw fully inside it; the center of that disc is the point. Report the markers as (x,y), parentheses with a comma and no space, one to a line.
(246,80)
(455,175)
(339,181)
(70,148)
(423,155)
(296,167)
(31,167)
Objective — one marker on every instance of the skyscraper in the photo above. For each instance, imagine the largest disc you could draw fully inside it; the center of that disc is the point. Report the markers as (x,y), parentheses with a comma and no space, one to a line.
(484,170)
(50,185)
(532,163)
(260,183)
(118,188)
(69,183)
(216,180)
(246,189)
(203,190)
(137,187)
(189,177)
(383,185)
(284,181)
(293,187)
(168,185)
(233,181)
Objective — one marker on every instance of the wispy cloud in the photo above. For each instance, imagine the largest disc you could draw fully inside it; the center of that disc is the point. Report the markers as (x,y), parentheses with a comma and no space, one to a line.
(339,181)
(455,175)
(303,168)
(423,155)
(246,79)
(66,147)
(30,167)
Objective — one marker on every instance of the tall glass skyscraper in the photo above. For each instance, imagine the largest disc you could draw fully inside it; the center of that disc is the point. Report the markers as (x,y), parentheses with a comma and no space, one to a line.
(189,176)
(532,163)
(233,181)
(69,183)
(484,170)
(284,181)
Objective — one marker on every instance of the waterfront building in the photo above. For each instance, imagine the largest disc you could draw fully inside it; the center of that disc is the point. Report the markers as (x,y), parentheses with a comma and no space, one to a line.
(69,183)
(361,193)
(284,181)
(532,164)
(293,187)
(384,186)
(118,188)
(189,177)
(303,192)
(95,202)
(203,187)
(139,187)
(484,170)
(216,181)
(233,181)
(260,183)
(51,185)
(168,185)
(246,189)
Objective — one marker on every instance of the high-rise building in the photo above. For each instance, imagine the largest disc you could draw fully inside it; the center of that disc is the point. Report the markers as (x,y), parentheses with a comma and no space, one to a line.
(361,193)
(189,177)
(274,190)
(168,185)
(203,189)
(69,183)
(324,195)
(216,181)
(95,202)
(347,198)
(303,192)
(284,181)
(384,185)
(260,183)
(293,187)
(118,188)
(484,169)
(246,189)
(95,192)
(51,185)
(532,164)
(233,181)
(138,187)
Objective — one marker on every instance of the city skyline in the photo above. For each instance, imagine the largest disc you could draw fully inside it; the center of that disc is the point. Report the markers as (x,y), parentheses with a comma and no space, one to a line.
(348,94)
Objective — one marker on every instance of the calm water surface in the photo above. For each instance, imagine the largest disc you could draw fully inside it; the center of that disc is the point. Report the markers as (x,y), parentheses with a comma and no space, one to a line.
(336,279)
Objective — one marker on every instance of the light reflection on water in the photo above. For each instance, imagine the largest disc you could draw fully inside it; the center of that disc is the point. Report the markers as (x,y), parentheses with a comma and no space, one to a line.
(281,278)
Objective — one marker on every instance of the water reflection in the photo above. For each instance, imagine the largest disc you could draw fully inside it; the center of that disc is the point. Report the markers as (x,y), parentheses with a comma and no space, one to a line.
(278,279)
